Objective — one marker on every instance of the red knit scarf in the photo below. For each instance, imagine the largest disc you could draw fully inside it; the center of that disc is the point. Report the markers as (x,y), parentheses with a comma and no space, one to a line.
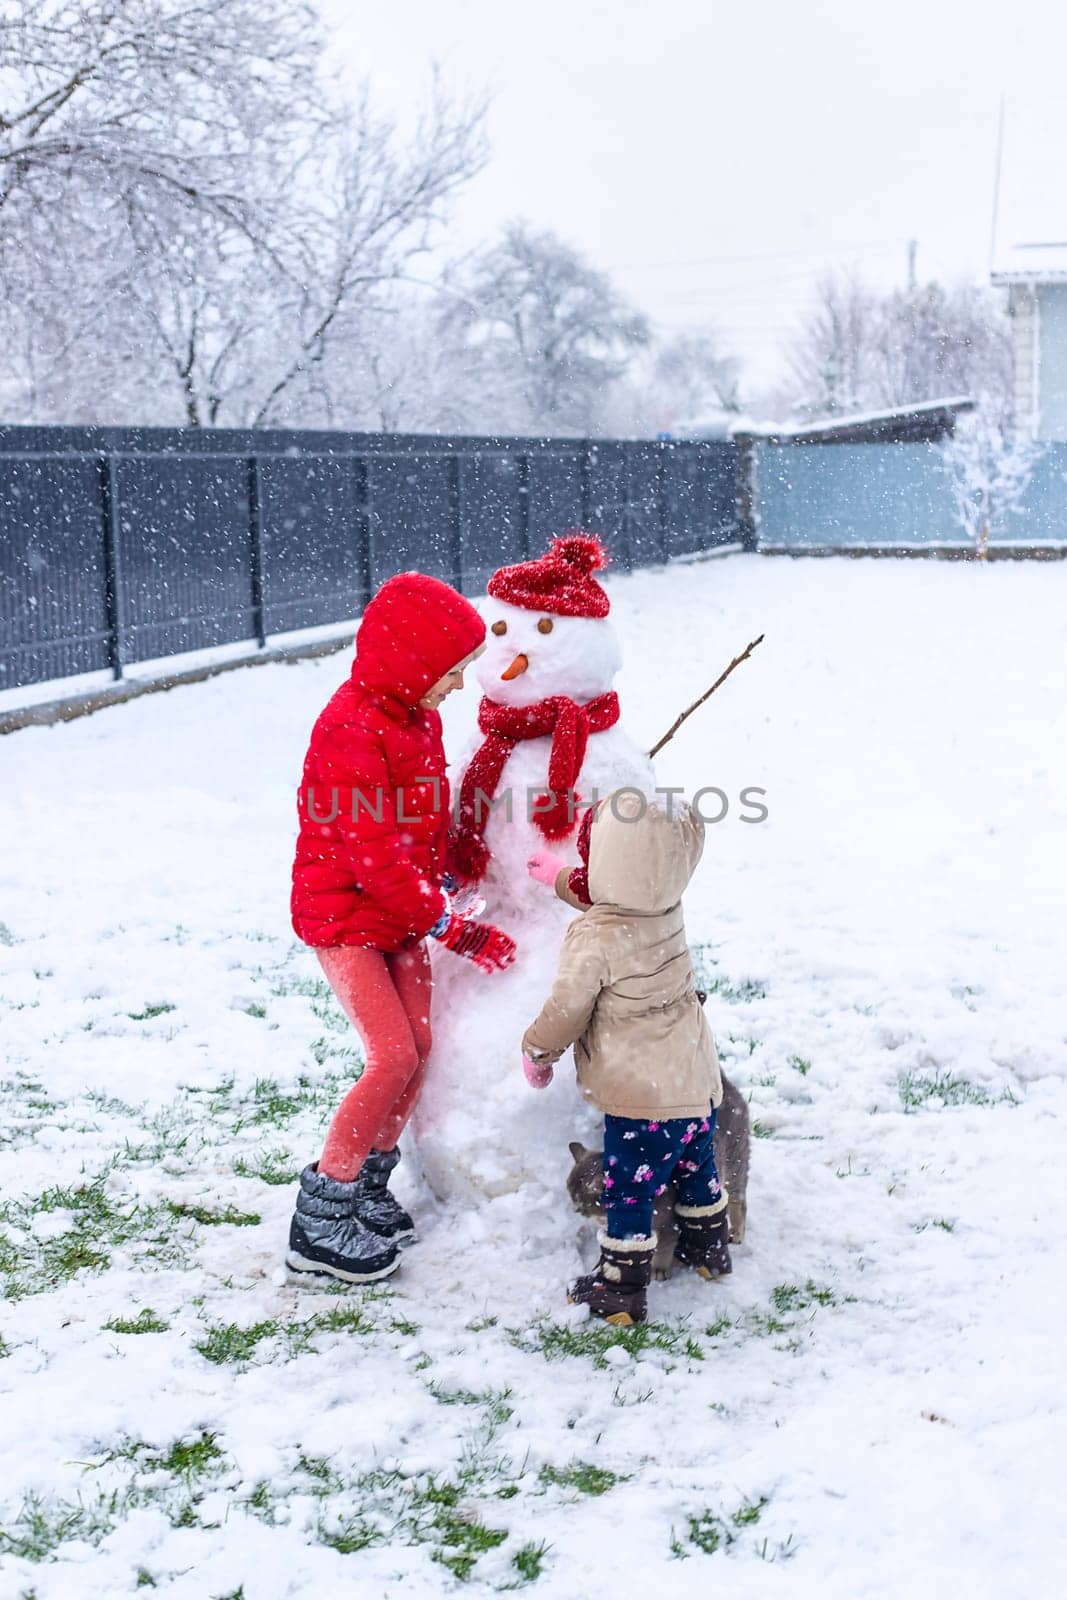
(504,726)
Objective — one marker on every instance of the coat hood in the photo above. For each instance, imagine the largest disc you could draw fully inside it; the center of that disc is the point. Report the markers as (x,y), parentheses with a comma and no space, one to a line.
(641,858)
(414,630)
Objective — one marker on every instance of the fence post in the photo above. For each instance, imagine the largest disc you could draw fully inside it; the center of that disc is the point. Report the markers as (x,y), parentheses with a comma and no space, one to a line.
(255,538)
(114,599)
(364,563)
(523,492)
(746,490)
(662,506)
(455,518)
(585,482)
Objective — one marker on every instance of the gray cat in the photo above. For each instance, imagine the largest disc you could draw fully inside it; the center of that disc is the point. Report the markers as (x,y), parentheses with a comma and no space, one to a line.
(585,1184)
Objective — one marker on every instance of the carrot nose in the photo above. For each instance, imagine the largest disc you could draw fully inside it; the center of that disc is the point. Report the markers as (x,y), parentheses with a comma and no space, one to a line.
(517,668)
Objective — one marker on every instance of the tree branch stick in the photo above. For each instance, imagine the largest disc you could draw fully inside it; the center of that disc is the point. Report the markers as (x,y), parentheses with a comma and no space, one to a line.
(688,712)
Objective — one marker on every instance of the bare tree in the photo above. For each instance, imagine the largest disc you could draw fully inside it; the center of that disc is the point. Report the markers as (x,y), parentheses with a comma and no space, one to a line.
(193,222)
(936,340)
(154,99)
(690,375)
(861,349)
(255,334)
(536,313)
(831,360)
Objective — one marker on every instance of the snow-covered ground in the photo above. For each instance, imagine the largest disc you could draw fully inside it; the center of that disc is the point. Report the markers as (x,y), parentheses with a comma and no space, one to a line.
(873,1405)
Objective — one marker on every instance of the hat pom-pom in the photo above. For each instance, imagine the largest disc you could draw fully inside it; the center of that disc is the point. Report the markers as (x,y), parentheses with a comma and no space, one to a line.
(583,551)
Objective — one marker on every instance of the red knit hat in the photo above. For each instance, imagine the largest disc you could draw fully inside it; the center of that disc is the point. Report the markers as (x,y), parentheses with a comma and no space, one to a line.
(561,581)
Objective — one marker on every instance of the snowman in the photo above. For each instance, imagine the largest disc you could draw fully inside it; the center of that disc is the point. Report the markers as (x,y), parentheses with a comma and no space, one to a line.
(550,742)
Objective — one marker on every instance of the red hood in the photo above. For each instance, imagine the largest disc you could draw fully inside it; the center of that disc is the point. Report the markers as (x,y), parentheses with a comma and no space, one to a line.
(414,631)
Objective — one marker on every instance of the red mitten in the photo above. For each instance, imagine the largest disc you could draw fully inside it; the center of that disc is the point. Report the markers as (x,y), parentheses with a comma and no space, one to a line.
(480,942)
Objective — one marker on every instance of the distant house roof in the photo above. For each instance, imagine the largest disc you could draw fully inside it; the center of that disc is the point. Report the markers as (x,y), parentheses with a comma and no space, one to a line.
(927,421)
(1030,218)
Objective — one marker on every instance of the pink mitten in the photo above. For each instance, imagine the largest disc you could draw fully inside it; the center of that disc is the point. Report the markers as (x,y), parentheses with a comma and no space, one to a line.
(545,867)
(538,1073)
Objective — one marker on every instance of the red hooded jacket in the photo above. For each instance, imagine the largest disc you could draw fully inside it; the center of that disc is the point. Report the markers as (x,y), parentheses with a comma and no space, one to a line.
(373,803)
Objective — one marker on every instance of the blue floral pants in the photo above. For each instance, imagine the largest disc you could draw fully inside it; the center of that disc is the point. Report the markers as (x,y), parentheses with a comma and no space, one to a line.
(641,1158)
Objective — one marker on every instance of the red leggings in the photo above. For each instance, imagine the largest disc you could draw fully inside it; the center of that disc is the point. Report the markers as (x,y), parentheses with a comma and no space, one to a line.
(386,997)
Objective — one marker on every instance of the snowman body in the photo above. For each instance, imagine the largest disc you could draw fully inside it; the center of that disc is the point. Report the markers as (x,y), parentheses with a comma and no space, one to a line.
(481,1130)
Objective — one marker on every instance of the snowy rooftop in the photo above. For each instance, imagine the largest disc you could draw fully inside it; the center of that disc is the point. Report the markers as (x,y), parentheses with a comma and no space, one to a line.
(1030,225)
(926,419)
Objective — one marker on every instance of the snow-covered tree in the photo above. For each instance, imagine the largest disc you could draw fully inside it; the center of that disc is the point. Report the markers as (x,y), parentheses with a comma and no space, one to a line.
(831,360)
(193,223)
(861,348)
(161,101)
(543,323)
(258,335)
(690,375)
(989,467)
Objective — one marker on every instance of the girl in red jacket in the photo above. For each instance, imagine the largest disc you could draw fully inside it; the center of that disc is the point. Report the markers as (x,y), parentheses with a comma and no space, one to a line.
(369,885)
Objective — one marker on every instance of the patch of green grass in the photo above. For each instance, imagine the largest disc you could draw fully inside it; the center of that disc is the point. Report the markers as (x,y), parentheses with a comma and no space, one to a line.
(324,1479)
(711,1531)
(277,1166)
(792,1297)
(917,1089)
(229,1216)
(944,1223)
(189,1458)
(800,1064)
(7,938)
(582,1476)
(494,1400)
(529,1560)
(327,1052)
(99,1223)
(262,1502)
(448,1515)
(705,1532)
(270,1104)
(158,1009)
(760,1130)
(5,1348)
(350,1535)
(740,993)
(749,1512)
(460,1539)
(558,1340)
(228,1343)
(40,1527)
(145,1321)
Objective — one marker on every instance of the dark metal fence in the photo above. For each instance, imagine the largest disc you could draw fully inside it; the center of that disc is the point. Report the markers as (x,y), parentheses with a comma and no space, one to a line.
(124,545)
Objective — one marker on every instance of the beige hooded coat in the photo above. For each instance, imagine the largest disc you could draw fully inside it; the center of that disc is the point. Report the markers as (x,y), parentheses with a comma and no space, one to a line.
(624,995)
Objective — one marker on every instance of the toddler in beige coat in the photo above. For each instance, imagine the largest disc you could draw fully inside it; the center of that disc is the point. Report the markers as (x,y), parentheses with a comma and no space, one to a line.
(625,998)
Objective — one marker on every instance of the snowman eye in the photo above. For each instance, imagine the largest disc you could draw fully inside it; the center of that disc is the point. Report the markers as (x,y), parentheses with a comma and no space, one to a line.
(545,625)
(499,627)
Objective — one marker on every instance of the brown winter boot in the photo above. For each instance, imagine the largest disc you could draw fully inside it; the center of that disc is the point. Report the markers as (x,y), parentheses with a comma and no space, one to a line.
(704,1238)
(615,1290)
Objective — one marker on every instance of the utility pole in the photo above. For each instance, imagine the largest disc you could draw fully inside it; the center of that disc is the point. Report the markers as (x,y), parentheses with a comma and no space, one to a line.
(913,250)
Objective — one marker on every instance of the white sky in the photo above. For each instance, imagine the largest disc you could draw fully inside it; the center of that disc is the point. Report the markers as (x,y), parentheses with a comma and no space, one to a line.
(717,155)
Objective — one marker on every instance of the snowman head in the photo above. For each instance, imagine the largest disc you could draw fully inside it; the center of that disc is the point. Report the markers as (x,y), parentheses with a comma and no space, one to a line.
(548,629)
